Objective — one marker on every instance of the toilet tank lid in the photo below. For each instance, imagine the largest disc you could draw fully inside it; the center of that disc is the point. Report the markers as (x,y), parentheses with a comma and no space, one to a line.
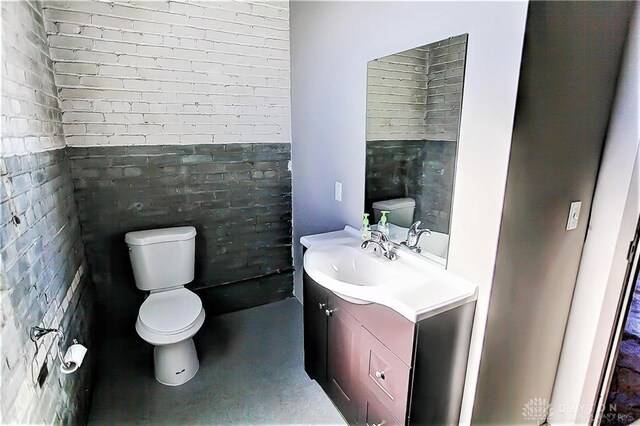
(154,236)
(394,204)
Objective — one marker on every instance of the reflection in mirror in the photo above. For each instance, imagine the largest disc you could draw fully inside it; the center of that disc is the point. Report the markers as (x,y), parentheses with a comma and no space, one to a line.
(414,101)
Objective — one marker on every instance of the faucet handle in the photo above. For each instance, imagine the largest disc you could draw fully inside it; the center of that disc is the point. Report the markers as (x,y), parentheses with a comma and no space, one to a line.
(381,236)
(413,229)
(413,236)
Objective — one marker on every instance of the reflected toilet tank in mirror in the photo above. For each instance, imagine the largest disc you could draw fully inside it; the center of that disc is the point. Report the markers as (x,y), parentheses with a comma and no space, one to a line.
(414,102)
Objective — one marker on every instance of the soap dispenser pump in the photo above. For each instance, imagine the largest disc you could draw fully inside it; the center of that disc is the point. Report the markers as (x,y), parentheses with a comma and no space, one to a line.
(365,229)
(383,226)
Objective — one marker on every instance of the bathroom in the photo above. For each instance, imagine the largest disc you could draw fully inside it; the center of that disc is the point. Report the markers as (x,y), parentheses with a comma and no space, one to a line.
(254,124)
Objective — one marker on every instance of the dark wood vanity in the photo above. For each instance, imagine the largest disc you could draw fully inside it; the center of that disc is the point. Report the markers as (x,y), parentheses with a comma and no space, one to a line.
(380,368)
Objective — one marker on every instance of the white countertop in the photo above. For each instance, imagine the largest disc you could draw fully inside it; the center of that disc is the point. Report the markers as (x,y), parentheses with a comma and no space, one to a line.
(346,235)
(417,290)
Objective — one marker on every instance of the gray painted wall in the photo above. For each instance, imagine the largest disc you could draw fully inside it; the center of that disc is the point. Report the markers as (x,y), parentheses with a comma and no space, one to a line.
(238,196)
(571,60)
(612,223)
(42,260)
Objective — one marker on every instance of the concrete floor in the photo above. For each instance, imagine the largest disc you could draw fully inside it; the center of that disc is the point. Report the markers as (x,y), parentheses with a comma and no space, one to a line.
(251,372)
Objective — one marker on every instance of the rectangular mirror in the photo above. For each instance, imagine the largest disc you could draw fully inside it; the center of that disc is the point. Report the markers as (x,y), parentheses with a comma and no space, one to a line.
(414,101)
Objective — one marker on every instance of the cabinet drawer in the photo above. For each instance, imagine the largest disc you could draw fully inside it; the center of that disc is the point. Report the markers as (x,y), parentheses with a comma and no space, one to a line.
(385,375)
(392,329)
(375,414)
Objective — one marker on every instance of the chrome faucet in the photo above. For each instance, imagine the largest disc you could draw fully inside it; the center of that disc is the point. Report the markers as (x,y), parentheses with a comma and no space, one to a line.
(413,237)
(387,248)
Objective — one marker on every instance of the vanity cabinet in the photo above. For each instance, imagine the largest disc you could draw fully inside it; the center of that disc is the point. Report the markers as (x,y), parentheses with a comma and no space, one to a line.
(380,368)
(315,332)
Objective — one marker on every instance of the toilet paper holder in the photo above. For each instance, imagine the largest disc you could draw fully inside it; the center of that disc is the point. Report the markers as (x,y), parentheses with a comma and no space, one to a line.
(74,354)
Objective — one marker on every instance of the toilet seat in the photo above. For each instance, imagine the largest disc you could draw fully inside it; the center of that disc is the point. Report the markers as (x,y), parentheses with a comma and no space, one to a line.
(170,312)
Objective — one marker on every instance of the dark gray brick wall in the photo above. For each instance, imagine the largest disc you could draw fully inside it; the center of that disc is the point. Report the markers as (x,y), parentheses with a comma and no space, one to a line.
(238,196)
(422,170)
(43,283)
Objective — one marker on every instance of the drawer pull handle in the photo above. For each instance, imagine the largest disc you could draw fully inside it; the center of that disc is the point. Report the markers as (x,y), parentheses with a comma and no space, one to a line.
(329,312)
(380,375)
(321,305)
(375,424)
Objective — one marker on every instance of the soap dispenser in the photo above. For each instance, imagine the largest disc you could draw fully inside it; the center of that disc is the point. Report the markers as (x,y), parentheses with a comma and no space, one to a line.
(383,226)
(365,229)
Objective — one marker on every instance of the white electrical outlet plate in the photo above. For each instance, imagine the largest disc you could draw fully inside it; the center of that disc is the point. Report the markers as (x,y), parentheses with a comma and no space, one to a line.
(337,193)
(574,215)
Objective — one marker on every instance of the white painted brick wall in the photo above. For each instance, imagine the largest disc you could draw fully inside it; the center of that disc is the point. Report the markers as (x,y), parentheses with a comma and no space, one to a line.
(171,72)
(396,96)
(417,94)
(30,110)
(444,92)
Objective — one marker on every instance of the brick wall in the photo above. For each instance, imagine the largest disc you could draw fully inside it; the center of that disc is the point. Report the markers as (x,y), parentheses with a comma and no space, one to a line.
(44,284)
(396,93)
(42,263)
(414,101)
(212,77)
(389,166)
(238,196)
(141,79)
(30,110)
(171,72)
(444,88)
(419,169)
(417,94)
(42,258)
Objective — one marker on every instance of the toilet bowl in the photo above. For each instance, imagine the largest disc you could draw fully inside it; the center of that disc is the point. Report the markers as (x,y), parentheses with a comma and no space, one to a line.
(163,261)
(168,320)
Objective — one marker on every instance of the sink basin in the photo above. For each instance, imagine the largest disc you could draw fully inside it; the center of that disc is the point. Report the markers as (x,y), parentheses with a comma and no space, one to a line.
(351,266)
(413,287)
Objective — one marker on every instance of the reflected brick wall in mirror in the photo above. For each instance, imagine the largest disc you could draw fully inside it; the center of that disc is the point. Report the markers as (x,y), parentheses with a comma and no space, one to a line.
(422,170)
(414,102)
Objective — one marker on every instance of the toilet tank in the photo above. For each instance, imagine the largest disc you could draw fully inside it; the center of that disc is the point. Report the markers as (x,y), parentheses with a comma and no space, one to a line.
(400,210)
(162,258)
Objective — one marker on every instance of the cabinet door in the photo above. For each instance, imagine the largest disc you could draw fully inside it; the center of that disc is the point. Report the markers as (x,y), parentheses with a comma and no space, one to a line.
(376,414)
(343,360)
(315,330)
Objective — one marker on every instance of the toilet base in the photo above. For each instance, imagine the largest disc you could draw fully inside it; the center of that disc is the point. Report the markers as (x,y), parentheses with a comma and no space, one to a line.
(175,364)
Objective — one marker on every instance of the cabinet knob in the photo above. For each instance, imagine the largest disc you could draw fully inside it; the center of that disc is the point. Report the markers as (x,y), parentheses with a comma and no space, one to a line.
(321,305)
(380,375)
(328,312)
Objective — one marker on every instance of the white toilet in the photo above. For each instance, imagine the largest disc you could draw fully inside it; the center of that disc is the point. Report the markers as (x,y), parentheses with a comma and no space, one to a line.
(401,211)
(163,262)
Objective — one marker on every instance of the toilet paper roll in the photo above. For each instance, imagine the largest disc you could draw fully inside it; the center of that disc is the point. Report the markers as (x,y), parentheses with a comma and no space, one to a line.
(73,358)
